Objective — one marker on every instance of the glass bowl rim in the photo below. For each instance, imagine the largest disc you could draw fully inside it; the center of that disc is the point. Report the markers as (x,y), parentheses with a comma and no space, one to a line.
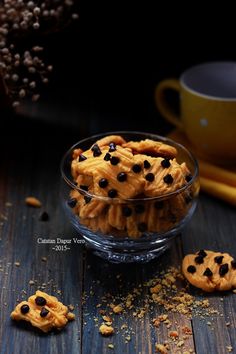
(130,200)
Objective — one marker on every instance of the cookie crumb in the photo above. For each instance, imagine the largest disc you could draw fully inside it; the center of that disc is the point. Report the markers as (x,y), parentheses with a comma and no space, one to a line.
(117,309)
(31,282)
(71,307)
(70,316)
(17,264)
(110,346)
(106,330)
(229,348)
(44,259)
(174,334)
(161,348)
(34,202)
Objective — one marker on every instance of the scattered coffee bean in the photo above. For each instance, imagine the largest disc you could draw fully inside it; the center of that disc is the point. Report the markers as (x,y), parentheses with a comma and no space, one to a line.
(44,216)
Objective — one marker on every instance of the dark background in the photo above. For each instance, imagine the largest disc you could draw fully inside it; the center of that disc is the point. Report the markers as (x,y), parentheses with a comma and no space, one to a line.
(107,64)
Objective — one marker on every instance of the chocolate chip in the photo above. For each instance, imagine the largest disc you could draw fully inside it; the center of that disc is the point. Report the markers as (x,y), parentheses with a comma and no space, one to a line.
(208,272)
(218,259)
(126,211)
(191,269)
(44,312)
(96,150)
(107,157)
(85,188)
(233,264)
(87,199)
(142,226)
(150,177)
(199,259)
(146,164)
(188,199)
(40,301)
(139,208)
(159,205)
(112,147)
(82,158)
(165,163)
(122,177)
(188,178)
(136,168)
(168,179)
(24,309)
(114,160)
(103,183)
(44,216)
(72,202)
(112,193)
(202,253)
(224,268)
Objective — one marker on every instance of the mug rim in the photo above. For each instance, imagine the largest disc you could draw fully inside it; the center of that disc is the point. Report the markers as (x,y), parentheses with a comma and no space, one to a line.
(198,93)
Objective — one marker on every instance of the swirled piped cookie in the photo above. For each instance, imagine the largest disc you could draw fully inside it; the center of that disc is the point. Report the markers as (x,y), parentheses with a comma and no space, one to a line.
(210,271)
(113,170)
(43,311)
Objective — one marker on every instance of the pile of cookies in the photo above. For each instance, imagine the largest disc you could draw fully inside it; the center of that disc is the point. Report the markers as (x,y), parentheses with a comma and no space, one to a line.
(113,171)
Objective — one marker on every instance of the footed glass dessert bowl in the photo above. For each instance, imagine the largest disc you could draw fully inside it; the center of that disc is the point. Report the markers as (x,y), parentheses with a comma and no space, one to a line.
(129,193)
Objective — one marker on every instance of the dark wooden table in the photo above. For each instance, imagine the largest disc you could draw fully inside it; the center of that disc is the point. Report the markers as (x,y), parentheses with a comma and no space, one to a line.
(29,165)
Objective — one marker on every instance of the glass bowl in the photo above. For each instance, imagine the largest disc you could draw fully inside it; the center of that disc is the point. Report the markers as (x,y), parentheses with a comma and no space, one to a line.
(135,229)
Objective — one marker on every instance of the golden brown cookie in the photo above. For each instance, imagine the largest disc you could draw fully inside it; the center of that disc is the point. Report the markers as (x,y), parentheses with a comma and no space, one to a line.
(210,270)
(152,148)
(43,311)
(111,140)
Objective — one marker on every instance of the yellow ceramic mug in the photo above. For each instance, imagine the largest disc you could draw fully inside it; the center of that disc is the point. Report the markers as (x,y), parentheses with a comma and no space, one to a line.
(208,109)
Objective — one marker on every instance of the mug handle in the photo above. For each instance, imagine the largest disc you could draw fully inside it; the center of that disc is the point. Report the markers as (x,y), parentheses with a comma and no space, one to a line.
(162,104)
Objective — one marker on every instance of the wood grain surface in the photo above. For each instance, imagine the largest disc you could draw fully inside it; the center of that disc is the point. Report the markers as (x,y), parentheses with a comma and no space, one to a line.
(29,165)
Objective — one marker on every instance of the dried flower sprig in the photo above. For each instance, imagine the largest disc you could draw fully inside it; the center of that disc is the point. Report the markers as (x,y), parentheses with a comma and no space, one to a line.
(23,71)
